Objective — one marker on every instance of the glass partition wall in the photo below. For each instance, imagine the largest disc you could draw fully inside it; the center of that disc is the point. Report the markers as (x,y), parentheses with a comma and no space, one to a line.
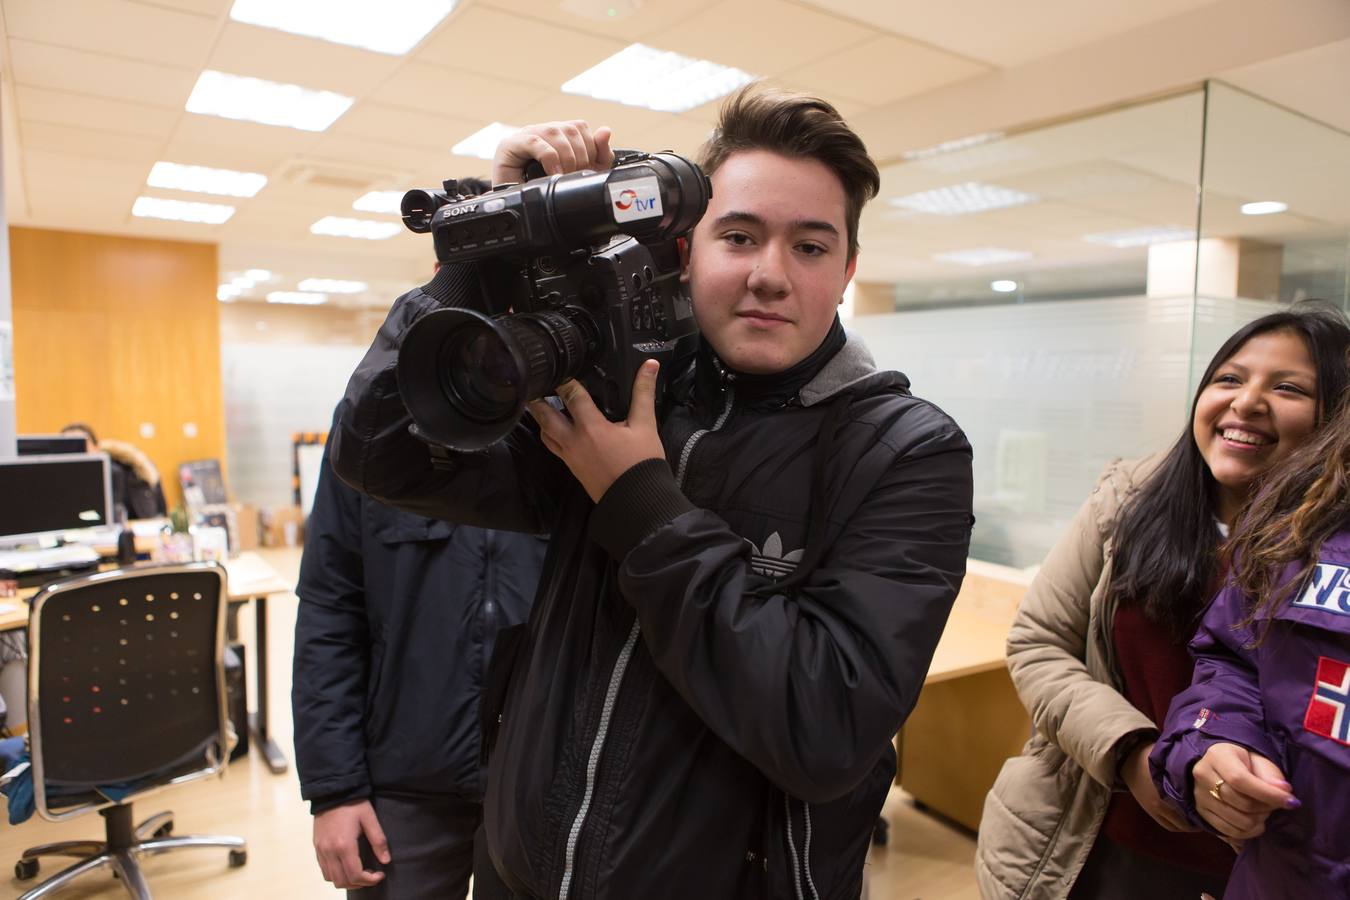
(1058,291)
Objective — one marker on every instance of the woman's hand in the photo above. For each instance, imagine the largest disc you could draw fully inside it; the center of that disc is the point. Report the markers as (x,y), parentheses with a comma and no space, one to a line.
(1236,790)
(560,147)
(1134,772)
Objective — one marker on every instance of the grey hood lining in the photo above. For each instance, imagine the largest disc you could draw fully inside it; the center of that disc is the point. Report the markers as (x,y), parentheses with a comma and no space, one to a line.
(851,366)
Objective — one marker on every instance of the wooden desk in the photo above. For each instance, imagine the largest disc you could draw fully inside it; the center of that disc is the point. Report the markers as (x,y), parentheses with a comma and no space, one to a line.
(248,579)
(968,720)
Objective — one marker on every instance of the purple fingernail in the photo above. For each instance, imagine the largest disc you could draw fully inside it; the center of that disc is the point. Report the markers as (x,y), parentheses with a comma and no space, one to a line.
(1293,803)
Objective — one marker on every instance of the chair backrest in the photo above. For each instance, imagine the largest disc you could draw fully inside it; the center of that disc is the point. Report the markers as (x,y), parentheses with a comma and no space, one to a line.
(126,678)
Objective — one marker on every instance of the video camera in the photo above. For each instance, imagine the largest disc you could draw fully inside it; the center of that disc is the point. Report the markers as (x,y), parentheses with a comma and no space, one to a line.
(580,273)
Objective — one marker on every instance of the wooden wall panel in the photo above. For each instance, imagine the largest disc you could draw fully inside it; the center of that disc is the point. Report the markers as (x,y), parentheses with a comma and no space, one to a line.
(117,332)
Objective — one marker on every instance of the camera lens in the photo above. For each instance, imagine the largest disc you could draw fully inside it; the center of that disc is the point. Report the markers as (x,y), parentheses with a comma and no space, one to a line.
(478,373)
(466,378)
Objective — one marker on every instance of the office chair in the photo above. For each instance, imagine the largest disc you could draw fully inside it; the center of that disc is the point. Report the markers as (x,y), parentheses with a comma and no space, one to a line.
(126,696)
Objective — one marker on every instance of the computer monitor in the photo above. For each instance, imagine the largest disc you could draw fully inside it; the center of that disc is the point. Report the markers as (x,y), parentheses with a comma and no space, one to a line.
(49,444)
(55,493)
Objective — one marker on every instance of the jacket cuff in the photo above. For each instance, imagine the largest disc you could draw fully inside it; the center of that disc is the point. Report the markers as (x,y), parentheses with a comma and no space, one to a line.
(639,501)
(331,801)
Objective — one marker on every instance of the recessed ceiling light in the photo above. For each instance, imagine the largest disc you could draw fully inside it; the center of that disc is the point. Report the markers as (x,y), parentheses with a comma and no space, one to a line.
(1003,286)
(1140,237)
(390,26)
(225,182)
(1263,208)
(339,226)
(483,142)
(181,210)
(333,286)
(297,298)
(961,199)
(258,274)
(983,256)
(639,75)
(267,102)
(382,201)
(227,292)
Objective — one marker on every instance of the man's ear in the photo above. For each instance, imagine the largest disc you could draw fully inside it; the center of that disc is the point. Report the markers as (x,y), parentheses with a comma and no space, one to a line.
(682,244)
(848,276)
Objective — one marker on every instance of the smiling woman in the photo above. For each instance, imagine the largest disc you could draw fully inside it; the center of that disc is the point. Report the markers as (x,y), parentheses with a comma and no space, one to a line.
(1098,649)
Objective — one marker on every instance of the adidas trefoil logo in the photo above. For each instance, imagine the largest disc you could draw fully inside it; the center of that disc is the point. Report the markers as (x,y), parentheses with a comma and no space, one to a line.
(772,562)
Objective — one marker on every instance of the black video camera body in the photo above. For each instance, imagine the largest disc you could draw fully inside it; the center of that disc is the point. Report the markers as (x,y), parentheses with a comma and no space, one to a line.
(581,277)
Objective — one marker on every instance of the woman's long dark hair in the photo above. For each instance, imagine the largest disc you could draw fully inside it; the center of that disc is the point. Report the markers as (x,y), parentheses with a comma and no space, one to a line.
(1166,556)
(1304,502)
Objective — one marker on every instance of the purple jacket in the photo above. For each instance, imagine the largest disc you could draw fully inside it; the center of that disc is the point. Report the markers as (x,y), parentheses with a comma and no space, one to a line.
(1289,700)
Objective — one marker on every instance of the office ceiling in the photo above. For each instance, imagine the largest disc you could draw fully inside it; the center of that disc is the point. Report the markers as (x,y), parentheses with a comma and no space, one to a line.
(94,94)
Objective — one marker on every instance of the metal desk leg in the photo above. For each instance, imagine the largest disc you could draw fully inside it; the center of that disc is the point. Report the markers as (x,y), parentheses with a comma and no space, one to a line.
(276,760)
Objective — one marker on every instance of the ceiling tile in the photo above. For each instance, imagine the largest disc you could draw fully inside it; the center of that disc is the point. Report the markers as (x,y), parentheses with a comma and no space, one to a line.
(217,8)
(455,92)
(1003,33)
(84,72)
(762,37)
(396,159)
(635,20)
(910,69)
(64,108)
(393,125)
(488,41)
(292,59)
(85,142)
(226,143)
(116,27)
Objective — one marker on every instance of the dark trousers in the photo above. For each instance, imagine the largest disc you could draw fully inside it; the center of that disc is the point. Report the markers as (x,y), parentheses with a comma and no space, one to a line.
(431,849)
(1114,872)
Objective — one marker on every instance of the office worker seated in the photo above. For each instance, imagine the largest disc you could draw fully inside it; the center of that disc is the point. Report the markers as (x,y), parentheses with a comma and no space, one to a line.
(743,598)
(1098,648)
(398,617)
(136,487)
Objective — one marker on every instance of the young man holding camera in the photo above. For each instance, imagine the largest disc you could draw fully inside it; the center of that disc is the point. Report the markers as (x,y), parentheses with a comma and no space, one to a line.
(742,598)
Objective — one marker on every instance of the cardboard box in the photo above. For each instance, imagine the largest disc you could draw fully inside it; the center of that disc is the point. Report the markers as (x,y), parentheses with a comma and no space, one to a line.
(285,526)
(247,530)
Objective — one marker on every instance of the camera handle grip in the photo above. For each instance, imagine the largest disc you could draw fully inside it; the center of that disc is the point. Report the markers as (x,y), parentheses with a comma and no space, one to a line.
(534,170)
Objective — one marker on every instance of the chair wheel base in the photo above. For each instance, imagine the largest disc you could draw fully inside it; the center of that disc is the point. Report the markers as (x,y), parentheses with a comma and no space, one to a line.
(238,858)
(25,869)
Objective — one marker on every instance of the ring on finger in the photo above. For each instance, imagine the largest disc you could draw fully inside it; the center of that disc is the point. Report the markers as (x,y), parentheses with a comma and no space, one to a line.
(1214,790)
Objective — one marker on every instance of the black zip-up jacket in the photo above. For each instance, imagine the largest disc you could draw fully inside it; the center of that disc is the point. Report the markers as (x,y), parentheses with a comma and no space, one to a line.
(721,648)
(398,615)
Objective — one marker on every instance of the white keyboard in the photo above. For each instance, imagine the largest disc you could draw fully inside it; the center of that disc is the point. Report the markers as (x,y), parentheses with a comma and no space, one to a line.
(68,555)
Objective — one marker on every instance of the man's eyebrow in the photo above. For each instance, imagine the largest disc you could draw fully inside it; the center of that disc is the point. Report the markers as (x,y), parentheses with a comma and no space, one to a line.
(748,218)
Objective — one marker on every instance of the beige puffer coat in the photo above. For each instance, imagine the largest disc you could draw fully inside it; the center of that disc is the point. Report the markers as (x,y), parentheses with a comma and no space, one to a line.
(1043,813)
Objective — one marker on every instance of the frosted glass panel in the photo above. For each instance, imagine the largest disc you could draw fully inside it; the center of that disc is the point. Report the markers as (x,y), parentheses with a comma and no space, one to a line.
(1049,393)
(273,390)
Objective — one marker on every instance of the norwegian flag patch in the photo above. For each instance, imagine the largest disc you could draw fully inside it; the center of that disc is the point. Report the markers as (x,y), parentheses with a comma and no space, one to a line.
(1329,710)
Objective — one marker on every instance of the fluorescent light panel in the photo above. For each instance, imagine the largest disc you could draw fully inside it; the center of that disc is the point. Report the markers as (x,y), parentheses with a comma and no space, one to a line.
(297,298)
(224,182)
(1141,237)
(1003,286)
(389,26)
(962,199)
(181,210)
(1263,208)
(483,142)
(340,226)
(381,202)
(639,75)
(333,286)
(266,102)
(983,256)
(258,274)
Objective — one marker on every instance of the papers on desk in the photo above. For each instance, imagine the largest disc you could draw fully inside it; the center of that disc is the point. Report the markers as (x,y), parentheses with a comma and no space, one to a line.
(7,608)
(21,562)
(247,569)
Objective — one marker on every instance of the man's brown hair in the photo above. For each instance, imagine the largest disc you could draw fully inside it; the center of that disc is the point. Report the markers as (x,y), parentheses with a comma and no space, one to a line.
(796,126)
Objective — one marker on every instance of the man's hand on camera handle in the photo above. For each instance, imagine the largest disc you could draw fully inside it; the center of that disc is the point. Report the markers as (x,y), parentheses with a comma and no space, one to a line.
(597,450)
(560,147)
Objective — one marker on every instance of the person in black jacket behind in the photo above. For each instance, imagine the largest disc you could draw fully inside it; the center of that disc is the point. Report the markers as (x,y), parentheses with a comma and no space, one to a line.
(398,615)
(742,599)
